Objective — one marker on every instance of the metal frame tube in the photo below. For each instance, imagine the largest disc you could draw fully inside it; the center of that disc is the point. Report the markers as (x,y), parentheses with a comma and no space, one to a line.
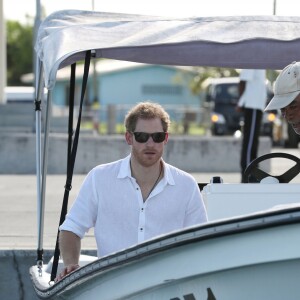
(41,160)
(44,168)
(38,125)
(39,94)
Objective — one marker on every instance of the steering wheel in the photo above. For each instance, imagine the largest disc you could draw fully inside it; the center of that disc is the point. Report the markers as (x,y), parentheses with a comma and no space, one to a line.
(253,172)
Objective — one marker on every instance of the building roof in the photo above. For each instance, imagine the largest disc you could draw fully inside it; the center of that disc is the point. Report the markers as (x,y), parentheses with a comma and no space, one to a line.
(105,66)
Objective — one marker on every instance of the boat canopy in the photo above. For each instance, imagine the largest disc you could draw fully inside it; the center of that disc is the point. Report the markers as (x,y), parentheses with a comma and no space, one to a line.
(255,42)
(245,42)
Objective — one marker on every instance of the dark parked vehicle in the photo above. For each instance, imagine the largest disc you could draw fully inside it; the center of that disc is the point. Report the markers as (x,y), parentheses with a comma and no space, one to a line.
(221,98)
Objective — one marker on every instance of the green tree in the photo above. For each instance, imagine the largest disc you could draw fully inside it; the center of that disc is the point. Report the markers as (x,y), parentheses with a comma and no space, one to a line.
(209,72)
(196,84)
(19,51)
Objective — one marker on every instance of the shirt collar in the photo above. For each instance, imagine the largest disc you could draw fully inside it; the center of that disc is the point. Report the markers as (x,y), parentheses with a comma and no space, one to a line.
(125,170)
(168,177)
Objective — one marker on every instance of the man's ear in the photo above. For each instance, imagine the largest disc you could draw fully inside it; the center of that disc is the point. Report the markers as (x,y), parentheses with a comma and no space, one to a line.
(128,137)
(167,138)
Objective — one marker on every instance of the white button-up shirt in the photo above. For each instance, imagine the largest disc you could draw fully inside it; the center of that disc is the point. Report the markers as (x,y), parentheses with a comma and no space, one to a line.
(110,200)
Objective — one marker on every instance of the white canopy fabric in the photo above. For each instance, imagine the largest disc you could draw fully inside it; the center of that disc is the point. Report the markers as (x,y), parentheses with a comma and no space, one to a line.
(253,42)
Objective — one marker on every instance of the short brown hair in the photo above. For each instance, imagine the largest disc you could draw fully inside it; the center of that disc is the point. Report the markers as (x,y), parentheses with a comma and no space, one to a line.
(146,110)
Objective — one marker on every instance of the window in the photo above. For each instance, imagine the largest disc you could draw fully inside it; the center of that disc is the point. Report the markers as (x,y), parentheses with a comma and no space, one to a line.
(227,93)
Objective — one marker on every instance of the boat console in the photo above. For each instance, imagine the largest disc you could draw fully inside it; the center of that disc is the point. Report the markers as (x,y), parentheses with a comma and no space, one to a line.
(224,200)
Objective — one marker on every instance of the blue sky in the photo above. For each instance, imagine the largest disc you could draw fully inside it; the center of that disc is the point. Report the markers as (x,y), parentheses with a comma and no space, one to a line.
(186,8)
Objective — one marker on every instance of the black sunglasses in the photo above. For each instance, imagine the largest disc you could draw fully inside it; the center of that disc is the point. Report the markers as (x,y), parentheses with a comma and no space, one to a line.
(143,137)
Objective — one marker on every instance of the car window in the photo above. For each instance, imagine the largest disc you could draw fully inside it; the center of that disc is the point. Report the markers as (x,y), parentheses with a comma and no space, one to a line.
(226,93)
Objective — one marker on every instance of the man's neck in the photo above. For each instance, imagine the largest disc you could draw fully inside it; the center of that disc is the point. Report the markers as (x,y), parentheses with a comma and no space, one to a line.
(145,174)
(147,177)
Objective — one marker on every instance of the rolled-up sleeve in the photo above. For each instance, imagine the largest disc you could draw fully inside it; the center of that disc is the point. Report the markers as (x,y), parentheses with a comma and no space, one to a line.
(83,213)
(196,211)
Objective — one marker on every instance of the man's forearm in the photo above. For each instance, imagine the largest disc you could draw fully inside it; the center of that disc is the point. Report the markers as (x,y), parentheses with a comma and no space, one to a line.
(70,245)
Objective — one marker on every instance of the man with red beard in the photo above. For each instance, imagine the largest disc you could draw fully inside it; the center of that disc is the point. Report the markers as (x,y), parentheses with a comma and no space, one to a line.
(133,199)
(286,95)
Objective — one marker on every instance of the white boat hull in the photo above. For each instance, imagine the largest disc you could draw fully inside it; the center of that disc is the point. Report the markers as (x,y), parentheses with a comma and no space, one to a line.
(247,258)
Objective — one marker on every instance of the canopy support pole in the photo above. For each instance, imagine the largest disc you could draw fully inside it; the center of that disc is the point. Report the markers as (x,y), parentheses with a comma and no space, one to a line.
(72,151)
(38,123)
(41,168)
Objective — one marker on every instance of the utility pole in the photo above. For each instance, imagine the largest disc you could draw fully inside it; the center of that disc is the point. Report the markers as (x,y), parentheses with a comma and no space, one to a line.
(2,55)
(37,22)
(96,112)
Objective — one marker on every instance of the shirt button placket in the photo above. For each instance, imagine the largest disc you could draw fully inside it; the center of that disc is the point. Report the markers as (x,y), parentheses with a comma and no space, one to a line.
(141,230)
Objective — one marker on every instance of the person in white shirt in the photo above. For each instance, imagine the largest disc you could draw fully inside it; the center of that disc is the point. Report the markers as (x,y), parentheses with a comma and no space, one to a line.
(253,97)
(133,199)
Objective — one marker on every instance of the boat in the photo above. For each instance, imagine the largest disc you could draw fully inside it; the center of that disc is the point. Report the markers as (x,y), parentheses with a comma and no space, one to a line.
(250,248)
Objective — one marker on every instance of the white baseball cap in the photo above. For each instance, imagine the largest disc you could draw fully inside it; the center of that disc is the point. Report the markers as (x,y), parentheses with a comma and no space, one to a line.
(286,87)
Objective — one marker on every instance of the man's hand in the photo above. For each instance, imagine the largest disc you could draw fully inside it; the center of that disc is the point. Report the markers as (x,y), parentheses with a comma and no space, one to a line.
(67,270)
(69,244)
